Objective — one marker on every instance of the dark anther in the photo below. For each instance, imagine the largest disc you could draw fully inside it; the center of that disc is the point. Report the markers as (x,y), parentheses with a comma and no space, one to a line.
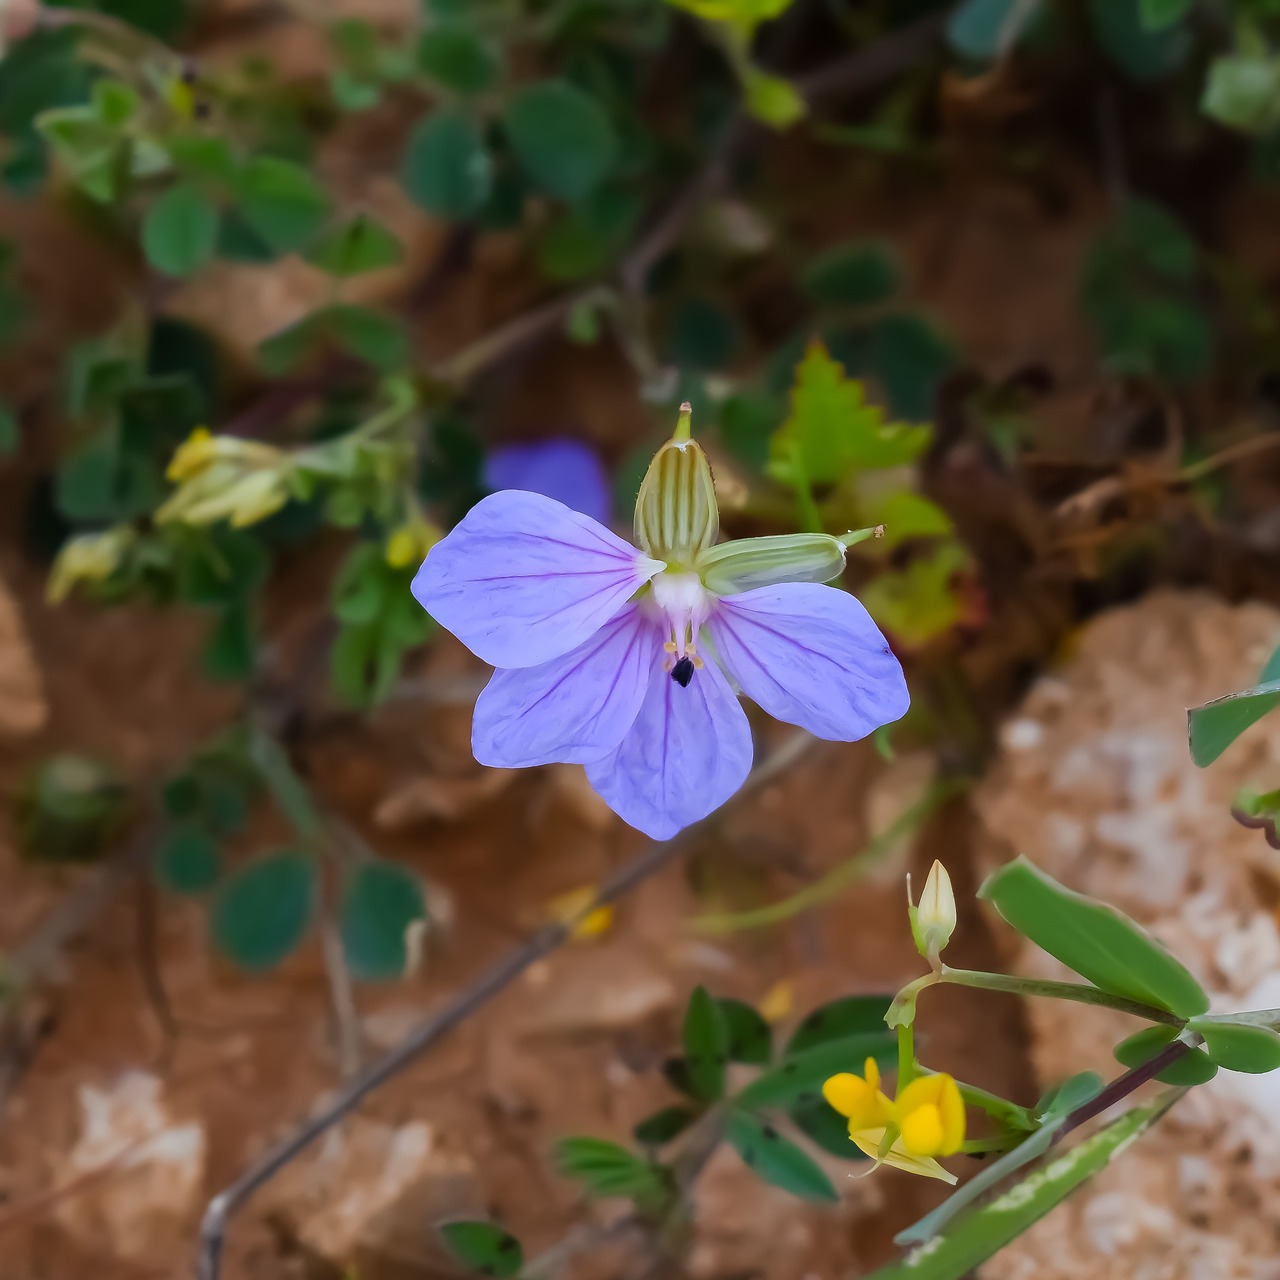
(682,672)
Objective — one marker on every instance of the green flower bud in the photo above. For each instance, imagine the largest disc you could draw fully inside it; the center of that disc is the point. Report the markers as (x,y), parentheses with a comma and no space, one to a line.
(677,517)
(762,562)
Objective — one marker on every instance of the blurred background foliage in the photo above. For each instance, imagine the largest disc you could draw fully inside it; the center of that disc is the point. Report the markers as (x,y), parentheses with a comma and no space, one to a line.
(667,193)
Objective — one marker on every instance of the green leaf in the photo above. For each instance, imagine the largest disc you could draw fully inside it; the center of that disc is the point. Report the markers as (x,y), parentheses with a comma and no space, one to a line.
(360,587)
(562,137)
(775,1160)
(1243,92)
(749,1037)
(1239,1046)
(446,169)
(1196,1067)
(380,900)
(203,156)
(1213,727)
(605,1169)
(979,1235)
(375,337)
(230,652)
(362,244)
(851,275)
(262,912)
(458,59)
(825,1127)
(1158,14)
(908,357)
(704,335)
(906,515)
(10,433)
(771,99)
(833,431)
(706,1044)
(282,202)
(483,1247)
(180,231)
(803,1073)
(840,1019)
(1103,946)
(1144,55)
(658,1129)
(984,29)
(188,860)
(1073,1092)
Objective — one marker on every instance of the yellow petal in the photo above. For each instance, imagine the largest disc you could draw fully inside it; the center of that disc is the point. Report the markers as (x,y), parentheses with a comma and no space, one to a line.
(778,1002)
(870,1140)
(922,1132)
(941,1131)
(848,1094)
(569,908)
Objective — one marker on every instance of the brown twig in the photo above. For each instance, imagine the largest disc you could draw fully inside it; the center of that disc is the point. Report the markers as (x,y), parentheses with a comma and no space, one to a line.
(462,1006)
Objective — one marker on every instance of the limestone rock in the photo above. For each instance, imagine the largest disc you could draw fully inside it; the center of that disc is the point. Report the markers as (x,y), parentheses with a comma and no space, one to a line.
(138,1171)
(1095,785)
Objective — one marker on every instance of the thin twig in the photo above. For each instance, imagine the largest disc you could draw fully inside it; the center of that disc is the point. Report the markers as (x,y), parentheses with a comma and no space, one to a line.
(345,1017)
(458,1010)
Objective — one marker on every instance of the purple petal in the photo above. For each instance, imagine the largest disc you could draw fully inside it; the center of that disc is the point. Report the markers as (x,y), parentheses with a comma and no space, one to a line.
(522,579)
(566,470)
(687,753)
(573,709)
(810,655)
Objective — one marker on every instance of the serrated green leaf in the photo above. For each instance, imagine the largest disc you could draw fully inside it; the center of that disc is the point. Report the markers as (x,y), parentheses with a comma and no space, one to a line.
(920,602)
(906,515)
(380,900)
(977,1236)
(749,1037)
(458,59)
(360,245)
(1239,1046)
(833,431)
(776,1160)
(706,1044)
(483,1247)
(446,168)
(1214,726)
(188,860)
(1095,940)
(180,232)
(262,912)
(562,137)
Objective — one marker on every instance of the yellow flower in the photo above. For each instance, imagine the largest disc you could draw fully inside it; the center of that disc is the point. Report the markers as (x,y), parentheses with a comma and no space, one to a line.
(569,907)
(859,1099)
(409,544)
(89,557)
(926,1119)
(930,1114)
(201,449)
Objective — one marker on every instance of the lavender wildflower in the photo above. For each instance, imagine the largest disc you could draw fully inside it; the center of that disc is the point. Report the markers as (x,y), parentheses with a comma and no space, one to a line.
(621,659)
(567,470)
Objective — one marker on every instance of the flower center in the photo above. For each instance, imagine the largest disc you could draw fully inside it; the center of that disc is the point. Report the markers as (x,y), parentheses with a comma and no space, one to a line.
(682,603)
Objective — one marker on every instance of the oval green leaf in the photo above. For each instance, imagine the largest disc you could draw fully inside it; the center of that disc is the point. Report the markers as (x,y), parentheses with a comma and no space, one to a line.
(180,231)
(1237,1046)
(1213,727)
(562,137)
(262,912)
(840,1019)
(188,860)
(1093,939)
(706,1045)
(380,900)
(801,1074)
(282,202)
(775,1160)
(749,1037)
(446,169)
(1195,1067)
(483,1247)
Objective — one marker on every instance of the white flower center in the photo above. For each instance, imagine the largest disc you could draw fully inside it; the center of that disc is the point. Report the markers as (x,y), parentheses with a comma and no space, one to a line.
(684,604)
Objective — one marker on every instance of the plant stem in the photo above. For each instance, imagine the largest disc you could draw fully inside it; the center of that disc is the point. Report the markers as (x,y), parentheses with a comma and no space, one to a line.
(1080,992)
(906,1055)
